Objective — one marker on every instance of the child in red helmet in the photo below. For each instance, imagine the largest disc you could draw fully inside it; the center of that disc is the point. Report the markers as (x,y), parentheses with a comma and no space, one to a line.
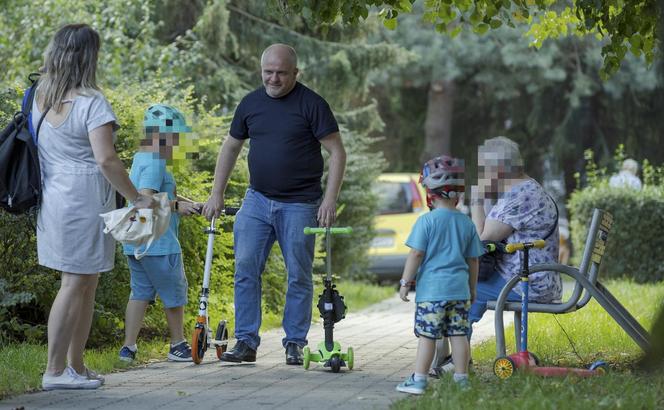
(445,247)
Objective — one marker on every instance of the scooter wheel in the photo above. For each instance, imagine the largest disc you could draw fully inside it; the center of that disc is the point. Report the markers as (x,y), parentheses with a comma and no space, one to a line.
(335,364)
(221,336)
(198,344)
(504,367)
(349,361)
(306,359)
(600,367)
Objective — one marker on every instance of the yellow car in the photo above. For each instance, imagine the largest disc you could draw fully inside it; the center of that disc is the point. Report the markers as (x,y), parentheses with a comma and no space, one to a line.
(401,201)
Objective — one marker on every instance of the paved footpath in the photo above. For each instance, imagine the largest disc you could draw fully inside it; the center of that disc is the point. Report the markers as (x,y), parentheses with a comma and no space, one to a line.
(380,335)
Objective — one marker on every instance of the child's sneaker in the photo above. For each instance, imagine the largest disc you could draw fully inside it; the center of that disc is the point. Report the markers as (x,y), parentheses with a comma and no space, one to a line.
(411,386)
(181,352)
(446,366)
(69,379)
(464,384)
(127,355)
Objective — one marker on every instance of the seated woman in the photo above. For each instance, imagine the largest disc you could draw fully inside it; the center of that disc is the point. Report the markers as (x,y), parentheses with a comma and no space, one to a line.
(522,212)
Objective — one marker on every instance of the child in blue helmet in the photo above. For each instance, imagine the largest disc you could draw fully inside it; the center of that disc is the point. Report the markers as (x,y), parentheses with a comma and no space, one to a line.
(160,271)
(444,254)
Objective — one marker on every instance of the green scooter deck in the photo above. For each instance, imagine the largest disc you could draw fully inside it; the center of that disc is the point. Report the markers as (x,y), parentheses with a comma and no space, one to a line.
(324,356)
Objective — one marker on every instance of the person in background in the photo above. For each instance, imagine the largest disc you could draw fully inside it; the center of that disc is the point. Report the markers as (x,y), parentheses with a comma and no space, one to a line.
(627,177)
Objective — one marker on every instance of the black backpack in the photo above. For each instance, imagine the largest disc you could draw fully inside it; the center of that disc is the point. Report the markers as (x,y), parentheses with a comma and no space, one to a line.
(20,177)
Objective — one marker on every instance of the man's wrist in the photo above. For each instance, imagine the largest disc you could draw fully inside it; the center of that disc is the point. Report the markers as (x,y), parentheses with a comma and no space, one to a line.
(404,282)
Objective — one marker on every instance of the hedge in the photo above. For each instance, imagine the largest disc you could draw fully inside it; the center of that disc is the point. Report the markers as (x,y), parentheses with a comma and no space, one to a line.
(632,249)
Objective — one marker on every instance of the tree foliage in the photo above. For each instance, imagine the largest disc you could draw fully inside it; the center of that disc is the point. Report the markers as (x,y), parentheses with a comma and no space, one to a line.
(549,99)
(627,25)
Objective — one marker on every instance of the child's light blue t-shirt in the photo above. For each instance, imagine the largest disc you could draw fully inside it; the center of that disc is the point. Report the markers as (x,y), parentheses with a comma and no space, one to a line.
(148,171)
(447,237)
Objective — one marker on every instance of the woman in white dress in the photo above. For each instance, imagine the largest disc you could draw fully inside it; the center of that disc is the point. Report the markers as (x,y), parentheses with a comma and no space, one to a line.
(80,171)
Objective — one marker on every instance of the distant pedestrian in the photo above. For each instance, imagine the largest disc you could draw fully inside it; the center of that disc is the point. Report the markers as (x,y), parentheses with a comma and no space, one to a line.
(627,177)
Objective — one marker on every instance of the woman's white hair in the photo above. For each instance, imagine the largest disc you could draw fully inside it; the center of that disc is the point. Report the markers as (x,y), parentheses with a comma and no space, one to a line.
(502,151)
(630,165)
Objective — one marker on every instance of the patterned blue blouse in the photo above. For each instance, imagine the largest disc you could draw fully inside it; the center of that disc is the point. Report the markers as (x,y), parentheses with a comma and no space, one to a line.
(530,211)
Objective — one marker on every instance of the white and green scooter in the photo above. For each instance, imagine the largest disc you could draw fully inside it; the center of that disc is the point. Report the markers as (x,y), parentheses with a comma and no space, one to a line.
(332,309)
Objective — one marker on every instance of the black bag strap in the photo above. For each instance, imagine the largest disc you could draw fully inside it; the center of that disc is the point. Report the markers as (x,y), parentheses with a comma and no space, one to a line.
(41,120)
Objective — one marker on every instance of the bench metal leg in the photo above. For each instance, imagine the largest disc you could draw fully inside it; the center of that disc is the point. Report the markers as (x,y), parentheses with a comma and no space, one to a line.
(618,312)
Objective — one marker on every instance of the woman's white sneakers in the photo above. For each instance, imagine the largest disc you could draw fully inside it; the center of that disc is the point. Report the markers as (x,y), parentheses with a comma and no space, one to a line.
(69,379)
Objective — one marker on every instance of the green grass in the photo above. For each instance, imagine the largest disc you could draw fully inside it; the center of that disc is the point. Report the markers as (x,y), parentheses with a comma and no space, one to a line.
(22,365)
(595,336)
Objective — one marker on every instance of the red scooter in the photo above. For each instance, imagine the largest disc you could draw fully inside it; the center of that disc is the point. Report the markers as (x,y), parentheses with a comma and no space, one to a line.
(505,366)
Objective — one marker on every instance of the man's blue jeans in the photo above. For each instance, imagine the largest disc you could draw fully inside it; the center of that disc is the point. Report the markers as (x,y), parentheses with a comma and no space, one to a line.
(488,290)
(258,224)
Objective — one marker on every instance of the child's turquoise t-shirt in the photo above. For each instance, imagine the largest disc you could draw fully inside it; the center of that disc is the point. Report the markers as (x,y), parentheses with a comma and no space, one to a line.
(447,237)
(148,171)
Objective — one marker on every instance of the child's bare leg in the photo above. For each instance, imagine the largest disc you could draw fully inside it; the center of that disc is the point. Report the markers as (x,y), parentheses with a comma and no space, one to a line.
(460,353)
(425,350)
(134,315)
(175,318)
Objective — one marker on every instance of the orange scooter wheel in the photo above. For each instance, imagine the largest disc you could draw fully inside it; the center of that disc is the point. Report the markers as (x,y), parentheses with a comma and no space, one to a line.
(198,344)
(504,367)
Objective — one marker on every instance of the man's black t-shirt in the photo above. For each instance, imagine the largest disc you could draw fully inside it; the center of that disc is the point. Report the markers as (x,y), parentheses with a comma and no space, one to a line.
(285,160)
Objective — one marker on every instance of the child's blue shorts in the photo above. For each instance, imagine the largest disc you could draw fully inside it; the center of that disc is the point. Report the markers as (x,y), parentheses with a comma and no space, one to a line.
(161,275)
(436,320)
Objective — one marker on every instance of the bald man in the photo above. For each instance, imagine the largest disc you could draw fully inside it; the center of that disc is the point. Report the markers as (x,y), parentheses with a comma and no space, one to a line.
(287,124)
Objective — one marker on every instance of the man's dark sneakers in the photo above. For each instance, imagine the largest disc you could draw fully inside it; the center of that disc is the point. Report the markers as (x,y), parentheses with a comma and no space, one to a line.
(293,354)
(241,352)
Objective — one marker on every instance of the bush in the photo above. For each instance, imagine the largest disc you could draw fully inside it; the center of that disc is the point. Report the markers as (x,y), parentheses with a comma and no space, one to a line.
(27,289)
(632,248)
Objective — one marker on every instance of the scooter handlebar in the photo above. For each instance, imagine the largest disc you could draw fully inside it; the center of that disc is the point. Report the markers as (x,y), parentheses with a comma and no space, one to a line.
(311,231)
(518,246)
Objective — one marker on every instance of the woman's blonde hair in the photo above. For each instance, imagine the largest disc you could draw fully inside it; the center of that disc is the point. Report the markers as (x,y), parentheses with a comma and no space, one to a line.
(70,62)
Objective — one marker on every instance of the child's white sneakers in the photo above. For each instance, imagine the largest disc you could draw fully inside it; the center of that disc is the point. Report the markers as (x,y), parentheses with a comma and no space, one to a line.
(69,379)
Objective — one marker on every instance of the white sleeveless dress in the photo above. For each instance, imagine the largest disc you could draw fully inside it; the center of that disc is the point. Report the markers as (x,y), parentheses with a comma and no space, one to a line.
(70,234)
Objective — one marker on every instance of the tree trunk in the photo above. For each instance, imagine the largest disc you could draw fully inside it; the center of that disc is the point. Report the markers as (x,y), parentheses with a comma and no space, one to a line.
(438,123)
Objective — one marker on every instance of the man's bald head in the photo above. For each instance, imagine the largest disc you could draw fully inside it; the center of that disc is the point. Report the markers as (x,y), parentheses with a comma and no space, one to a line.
(282,52)
(279,70)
